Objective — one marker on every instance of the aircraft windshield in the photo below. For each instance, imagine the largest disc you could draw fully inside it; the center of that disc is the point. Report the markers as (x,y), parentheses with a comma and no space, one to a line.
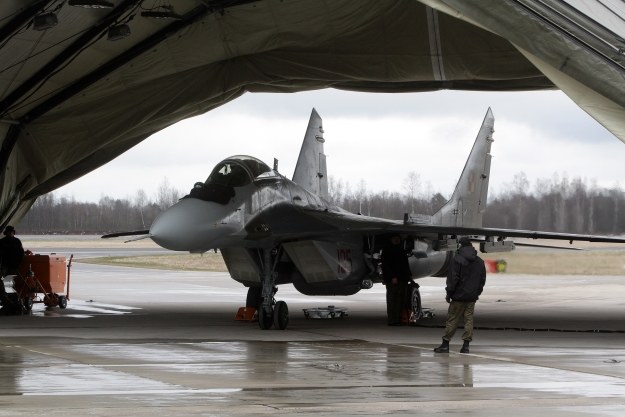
(236,171)
(229,174)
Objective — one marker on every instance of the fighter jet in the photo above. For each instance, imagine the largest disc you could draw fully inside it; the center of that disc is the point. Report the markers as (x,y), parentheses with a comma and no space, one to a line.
(272,230)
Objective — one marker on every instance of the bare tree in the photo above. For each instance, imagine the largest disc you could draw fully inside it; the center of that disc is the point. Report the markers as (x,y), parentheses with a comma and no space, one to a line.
(362,197)
(141,200)
(336,191)
(166,195)
(412,184)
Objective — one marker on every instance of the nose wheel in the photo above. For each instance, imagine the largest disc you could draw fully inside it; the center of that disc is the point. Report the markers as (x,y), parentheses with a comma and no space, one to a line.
(276,316)
(280,315)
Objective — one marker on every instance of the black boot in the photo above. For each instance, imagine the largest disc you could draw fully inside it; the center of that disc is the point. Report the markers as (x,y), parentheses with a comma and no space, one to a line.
(443,348)
(465,347)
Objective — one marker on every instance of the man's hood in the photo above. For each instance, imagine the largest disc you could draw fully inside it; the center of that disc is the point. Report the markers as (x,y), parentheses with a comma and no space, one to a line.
(466,255)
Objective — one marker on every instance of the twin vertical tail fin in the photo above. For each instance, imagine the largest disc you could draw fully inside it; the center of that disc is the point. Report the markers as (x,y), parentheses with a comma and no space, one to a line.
(310,171)
(468,202)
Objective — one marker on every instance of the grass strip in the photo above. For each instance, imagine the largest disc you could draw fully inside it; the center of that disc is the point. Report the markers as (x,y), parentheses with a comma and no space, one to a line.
(530,262)
(177,262)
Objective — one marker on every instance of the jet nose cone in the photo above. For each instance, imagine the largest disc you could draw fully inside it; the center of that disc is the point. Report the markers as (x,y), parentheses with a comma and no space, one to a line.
(192,225)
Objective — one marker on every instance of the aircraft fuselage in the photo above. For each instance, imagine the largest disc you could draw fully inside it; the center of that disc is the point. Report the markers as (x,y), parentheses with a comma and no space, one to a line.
(260,212)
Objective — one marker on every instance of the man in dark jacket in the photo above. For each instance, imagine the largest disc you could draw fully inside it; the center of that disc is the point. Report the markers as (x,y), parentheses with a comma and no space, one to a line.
(465,281)
(396,275)
(11,254)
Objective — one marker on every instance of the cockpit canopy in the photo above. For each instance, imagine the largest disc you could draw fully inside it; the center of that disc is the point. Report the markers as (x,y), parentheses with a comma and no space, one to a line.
(236,171)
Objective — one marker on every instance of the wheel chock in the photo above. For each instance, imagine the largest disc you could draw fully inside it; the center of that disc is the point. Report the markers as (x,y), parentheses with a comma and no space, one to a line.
(246,314)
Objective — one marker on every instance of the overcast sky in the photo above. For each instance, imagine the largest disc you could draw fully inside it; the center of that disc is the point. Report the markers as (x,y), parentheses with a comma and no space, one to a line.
(378,138)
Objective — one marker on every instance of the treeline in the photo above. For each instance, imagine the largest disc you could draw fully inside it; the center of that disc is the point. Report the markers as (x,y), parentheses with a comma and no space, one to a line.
(557,204)
(63,215)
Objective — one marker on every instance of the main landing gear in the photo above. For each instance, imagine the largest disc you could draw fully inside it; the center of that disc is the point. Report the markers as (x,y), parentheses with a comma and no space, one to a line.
(414,302)
(270,312)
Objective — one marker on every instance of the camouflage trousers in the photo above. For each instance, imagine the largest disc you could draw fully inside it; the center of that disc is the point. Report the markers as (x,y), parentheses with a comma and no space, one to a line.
(459,310)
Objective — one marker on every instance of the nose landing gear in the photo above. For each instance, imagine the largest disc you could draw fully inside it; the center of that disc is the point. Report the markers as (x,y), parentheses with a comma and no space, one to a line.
(276,315)
(271,313)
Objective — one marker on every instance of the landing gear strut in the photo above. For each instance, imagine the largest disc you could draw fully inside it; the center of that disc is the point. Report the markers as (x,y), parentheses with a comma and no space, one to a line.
(271,312)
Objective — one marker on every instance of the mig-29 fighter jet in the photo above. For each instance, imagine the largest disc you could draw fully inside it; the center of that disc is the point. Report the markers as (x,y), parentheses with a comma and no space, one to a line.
(272,230)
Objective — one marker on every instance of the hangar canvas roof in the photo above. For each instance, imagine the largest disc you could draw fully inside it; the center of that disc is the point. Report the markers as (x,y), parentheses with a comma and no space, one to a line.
(83,81)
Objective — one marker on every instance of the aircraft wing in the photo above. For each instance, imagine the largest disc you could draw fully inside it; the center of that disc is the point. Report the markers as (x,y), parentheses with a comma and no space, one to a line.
(328,222)
(530,234)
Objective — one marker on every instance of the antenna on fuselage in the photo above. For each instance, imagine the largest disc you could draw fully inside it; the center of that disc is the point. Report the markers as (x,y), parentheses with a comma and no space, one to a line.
(275,164)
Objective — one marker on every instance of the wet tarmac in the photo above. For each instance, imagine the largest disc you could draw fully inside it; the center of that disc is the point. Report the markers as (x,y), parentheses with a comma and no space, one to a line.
(146,342)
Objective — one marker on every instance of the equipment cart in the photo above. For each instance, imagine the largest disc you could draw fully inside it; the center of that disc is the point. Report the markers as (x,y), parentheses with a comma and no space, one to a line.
(43,279)
(325,313)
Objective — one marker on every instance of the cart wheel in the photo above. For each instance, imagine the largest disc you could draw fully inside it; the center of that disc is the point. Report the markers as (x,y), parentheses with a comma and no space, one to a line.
(51,300)
(28,304)
(62,301)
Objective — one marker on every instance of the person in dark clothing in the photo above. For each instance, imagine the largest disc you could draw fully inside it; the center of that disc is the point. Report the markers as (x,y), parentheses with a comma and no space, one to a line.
(11,255)
(465,282)
(396,275)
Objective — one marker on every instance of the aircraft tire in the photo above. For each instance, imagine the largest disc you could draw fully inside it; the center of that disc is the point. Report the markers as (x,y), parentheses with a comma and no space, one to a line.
(265,318)
(415,302)
(280,315)
(253,297)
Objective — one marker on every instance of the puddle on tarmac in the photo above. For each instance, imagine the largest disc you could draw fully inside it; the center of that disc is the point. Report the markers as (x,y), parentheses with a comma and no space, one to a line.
(226,368)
